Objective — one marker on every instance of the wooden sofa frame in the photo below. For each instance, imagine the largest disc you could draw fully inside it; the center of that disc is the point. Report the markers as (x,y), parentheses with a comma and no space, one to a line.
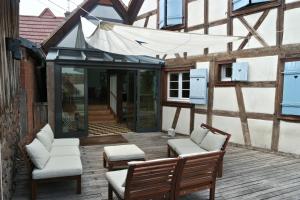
(147,181)
(34,182)
(215,131)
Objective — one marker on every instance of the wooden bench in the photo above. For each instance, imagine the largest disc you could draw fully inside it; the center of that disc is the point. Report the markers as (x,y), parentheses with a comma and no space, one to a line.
(171,151)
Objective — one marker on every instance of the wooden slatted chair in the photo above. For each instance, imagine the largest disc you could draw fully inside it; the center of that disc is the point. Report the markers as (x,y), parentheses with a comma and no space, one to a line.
(145,180)
(199,172)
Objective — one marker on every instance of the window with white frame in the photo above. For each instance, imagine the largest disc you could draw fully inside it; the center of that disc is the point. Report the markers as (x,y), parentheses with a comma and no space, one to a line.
(179,86)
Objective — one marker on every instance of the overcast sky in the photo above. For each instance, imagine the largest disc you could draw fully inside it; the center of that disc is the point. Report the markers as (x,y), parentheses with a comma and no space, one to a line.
(35,7)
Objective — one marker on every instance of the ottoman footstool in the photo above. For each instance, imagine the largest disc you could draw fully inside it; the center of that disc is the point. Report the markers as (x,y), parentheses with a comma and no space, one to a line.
(118,156)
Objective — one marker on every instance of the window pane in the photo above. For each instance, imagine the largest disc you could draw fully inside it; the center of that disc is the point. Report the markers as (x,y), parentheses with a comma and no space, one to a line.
(228,71)
(174,12)
(186,85)
(173,85)
(186,76)
(173,93)
(185,93)
(174,77)
(162,13)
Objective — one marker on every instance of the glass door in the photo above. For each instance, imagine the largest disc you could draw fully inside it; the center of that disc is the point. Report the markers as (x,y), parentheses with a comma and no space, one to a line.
(148,100)
(73,102)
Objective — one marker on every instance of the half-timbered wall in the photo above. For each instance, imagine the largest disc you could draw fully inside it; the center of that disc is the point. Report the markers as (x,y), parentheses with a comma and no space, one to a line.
(250,111)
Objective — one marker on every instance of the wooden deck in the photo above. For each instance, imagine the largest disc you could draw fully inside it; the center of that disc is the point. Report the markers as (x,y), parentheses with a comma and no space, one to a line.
(248,174)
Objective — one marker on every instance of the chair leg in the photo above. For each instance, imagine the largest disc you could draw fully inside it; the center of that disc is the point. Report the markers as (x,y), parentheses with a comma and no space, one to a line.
(220,169)
(78,190)
(212,193)
(104,160)
(110,192)
(33,190)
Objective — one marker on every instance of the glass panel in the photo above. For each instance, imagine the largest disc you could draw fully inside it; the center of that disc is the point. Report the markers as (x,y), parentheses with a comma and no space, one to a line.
(185,93)
(105,12)
(162,13)
(186,76)
(70,38)
(186,85)
(173,85)
(147,100)
(73,100)
(174,77)
(173,93)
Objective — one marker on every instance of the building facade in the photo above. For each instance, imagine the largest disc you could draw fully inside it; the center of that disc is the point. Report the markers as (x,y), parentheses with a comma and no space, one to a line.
(252,84)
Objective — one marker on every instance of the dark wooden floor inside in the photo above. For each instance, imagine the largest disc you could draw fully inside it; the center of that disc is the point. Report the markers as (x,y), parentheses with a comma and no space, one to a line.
(248,174)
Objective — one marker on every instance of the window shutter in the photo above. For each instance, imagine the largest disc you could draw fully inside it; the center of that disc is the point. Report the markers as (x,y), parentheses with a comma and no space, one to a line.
(198,86)
(237,4)
(174,12)
(162,14)
(291,85)
(240,71)
(260,1)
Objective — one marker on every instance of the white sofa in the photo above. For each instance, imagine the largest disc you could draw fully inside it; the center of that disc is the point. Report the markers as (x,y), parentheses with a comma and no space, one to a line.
(202,140)
(54,159)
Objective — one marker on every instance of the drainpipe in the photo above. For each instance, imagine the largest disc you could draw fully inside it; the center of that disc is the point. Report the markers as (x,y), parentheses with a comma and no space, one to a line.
(1,187)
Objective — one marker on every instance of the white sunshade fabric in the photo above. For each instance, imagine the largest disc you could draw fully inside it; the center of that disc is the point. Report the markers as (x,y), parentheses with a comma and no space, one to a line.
(130,40)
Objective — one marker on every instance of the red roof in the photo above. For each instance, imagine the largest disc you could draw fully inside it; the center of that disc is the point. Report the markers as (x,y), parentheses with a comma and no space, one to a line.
(38,28)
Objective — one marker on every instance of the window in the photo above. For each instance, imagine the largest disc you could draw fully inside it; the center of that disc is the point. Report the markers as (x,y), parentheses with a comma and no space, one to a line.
(171,13)
(291,83)
(179,86)
(229,72)
(241,4)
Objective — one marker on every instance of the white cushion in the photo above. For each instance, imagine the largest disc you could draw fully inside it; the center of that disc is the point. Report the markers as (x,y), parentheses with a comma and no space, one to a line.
(185,146)
(65,151)
(47,129)
(59,166)
(66,142)
(213,142)
(124,152)
(150,161)
(45,139)
(37,153)
(116,179)
(198,135)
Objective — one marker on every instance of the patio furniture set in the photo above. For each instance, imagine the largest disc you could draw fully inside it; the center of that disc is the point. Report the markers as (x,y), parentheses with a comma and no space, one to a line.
(192,165)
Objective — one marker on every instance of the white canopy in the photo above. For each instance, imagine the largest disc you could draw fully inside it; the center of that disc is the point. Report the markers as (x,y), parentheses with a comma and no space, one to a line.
(130,40)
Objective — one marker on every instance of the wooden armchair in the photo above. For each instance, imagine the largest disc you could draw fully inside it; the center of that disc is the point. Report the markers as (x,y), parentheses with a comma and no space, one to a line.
(198,173)
(147,180)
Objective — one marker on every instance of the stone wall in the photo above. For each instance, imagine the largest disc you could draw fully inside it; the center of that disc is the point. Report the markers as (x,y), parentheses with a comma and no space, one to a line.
(9,130)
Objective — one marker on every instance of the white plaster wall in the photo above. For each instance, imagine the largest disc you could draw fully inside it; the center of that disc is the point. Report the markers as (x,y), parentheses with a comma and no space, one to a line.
(260,100)
(152,22)
(225,99)
(261,68)
(217,10)
(231,125)
(290,1)
(147,6)
(168,114)
(218,30)
(238,30)
(198,120)
(195,13)
(139,23)
(183,123)
(260,133)
(291,26)
(289,140)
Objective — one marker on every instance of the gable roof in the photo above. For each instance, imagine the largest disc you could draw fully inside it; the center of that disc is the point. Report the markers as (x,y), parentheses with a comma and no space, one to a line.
(74,18)
(38,28)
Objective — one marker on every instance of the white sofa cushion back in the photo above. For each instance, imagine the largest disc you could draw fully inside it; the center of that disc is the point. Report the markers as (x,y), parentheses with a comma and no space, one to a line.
(213,142)
(47,128)
(45,139)
(38,153)
(198,135)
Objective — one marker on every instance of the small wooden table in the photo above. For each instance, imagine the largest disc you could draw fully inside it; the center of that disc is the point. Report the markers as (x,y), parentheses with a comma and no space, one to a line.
(118,156)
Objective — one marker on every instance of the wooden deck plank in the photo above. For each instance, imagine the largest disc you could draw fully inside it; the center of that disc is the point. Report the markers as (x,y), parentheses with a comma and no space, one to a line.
(248,174)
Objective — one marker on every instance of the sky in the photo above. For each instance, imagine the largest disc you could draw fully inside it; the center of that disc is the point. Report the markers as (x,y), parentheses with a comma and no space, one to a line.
(35,7)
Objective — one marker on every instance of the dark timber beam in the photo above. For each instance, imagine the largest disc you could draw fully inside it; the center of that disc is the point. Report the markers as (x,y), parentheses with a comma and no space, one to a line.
(121,9)
(133,10)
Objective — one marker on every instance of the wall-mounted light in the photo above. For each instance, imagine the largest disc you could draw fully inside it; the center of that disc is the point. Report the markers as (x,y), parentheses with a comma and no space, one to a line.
(13,45)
